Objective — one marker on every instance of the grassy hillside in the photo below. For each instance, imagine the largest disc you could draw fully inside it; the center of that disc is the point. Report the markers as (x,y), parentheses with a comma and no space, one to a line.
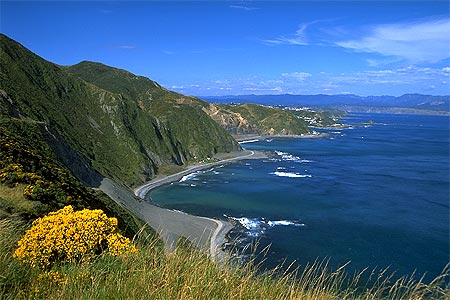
(125,128)
(152,273)
(34,183)
(195,135)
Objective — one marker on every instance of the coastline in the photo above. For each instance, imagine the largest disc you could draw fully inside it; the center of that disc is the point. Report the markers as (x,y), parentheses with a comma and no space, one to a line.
(142,190)
(206,234)
(243,138)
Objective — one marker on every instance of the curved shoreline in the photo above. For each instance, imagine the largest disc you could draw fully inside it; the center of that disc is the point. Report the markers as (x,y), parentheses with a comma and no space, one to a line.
(205,233)
(143,190)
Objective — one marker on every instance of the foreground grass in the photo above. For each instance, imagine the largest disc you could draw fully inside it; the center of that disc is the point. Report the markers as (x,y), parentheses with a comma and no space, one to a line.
(188,274)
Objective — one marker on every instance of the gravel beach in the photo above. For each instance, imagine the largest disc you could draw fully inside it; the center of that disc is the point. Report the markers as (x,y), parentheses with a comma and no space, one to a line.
(204,233)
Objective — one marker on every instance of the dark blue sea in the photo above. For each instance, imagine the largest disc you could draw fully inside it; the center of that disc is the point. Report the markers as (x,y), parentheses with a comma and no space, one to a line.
(373,194)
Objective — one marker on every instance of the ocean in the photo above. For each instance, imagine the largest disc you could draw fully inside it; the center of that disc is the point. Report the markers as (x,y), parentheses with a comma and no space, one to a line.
(375,194)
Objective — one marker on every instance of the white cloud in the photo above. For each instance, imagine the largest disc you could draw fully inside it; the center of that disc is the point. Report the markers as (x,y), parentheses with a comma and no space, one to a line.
(275,89)
(416,42)
(298,76)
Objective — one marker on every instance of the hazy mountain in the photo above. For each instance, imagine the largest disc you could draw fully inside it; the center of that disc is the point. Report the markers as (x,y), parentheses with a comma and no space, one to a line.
(412,101)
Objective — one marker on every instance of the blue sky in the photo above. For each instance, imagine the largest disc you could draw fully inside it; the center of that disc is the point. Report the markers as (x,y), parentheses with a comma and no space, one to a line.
(248,47)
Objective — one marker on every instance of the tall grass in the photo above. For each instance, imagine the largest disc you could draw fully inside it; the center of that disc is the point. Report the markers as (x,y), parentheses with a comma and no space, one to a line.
(188,274)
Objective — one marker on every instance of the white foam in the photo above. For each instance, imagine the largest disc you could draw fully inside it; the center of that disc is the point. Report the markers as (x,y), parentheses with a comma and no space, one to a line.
(280,153)
(257,226)
(305,161)
(189,176)
(290,175)
(289,157)
(285,223)
(248,141)
(248,223)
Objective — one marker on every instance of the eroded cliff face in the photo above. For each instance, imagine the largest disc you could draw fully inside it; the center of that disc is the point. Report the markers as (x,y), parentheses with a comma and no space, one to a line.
(232,121)
(256,119)
(121,125)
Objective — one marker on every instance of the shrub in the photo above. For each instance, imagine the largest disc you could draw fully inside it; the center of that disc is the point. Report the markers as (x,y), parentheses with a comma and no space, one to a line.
(71,236)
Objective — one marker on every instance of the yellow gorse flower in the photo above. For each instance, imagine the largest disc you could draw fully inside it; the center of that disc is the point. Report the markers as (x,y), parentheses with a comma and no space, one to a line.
(74,236)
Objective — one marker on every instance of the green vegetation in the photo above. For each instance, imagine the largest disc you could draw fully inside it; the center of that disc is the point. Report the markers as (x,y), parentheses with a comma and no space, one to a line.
(152,273)
(324,118)
(262,120)
(257,119)
(33,182)
(124,128)
(195,135)
(272,120)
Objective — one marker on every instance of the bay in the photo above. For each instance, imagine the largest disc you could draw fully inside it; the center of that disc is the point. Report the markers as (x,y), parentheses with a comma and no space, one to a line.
(375,194)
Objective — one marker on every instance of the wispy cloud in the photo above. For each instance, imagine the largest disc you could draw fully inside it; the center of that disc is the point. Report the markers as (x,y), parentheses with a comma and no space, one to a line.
(125,47)
(297,76)
(411,75)
(424,41)
(168,52)
(395,81)
(274,89)
(244,7)
(298,38)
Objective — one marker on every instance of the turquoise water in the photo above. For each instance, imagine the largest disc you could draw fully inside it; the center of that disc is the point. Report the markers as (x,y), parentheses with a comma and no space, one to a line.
(376,195)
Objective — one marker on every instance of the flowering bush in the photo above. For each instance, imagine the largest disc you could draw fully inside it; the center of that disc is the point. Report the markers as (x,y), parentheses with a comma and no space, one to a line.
(73,236)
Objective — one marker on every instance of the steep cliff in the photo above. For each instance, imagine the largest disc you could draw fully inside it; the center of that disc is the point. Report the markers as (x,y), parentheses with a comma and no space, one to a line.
(118,124)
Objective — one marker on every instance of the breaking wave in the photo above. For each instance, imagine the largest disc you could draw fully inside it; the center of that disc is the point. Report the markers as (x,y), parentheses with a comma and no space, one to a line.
(189,176)
(290,175)
(248,141)
(289,157)
(254,227)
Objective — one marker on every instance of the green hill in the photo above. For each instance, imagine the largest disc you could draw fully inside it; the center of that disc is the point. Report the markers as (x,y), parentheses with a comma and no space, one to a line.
(271,120)
(263,120)
(120,125)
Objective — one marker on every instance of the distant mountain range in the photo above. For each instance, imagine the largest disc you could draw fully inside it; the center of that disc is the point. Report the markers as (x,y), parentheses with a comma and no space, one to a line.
(408,103)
